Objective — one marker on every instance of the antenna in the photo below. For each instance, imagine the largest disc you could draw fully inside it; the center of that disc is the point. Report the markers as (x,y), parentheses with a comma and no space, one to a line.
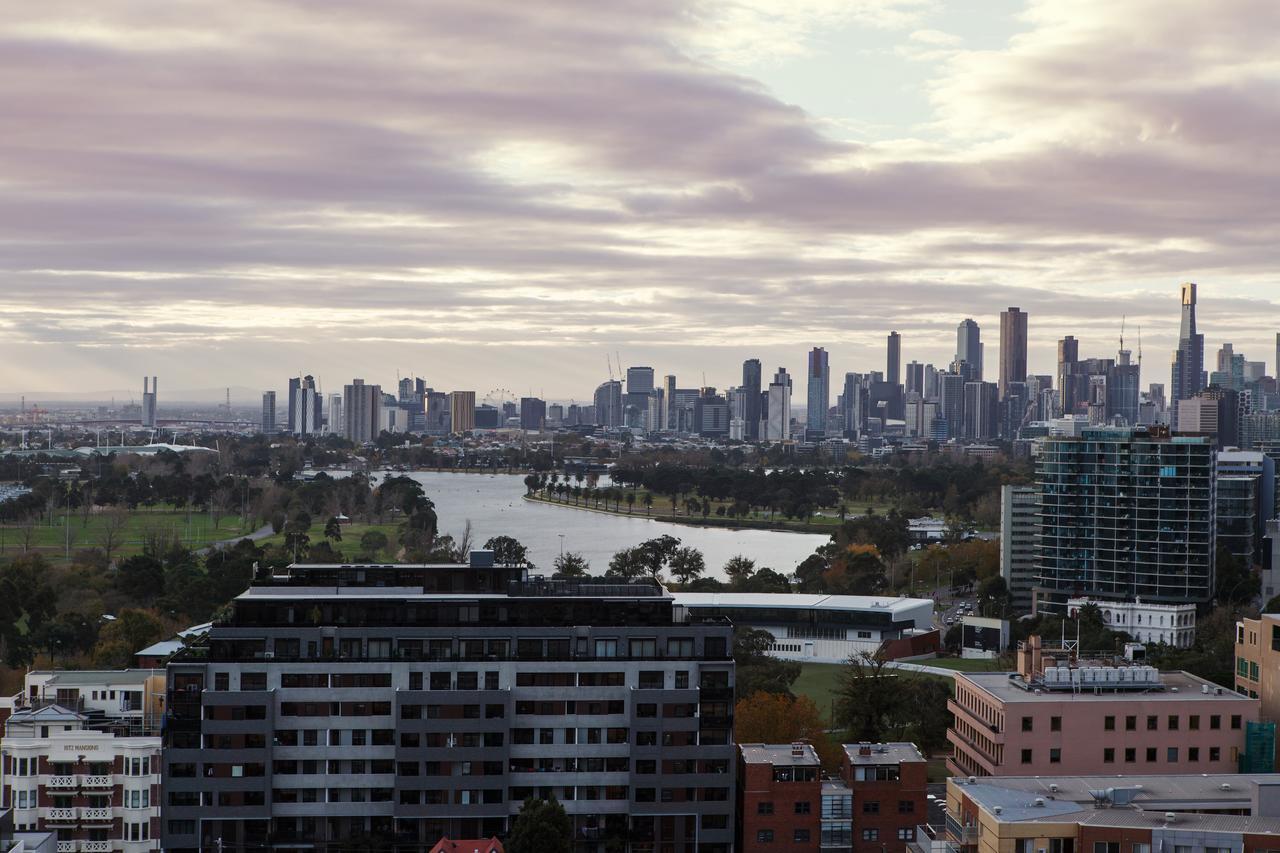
(1139,344)
(610,364)
(1122,319)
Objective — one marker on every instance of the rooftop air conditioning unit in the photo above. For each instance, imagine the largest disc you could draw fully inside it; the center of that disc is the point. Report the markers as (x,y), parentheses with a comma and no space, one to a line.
(1170,817)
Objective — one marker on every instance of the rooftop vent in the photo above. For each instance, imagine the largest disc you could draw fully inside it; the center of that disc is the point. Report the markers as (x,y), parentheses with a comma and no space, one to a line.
(1038,802)
(1225,786)
(1170,817)
(998,809)
(973,780)
(1204,688)
(1053,786)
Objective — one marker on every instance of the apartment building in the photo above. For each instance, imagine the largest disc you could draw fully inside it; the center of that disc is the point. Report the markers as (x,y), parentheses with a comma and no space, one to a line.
(409,703)
(779,797)
(1171,624)
(1258,662)
(81,759)
(1200,813)
(872,805)
(1073,720)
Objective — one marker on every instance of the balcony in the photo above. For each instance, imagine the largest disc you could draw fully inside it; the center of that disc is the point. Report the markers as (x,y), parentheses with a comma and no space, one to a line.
(96,781)
(61,782)
(961,834)
(61,815)
(66,846)
(95,847)
(96,815)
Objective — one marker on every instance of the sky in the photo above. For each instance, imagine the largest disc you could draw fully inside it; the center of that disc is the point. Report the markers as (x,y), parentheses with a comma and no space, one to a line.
(504,195)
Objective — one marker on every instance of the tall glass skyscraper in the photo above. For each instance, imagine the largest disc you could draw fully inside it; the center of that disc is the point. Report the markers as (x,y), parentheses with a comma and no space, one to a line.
(1188,358)
(819,393)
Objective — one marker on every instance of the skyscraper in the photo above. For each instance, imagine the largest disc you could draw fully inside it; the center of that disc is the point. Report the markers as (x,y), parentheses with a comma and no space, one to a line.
(668,400)
(751,378)
(969,347)
(1013,349)
(778,427)
(149,402)
(981,411)
(853,404)
(362,411)
(915,378)
(305,407)
(639,380)
(608,403)
(462,412)
(819,393)
(951,402)
(533,413)
(1068,355)
(1275,368)
(269,412)
(893,366)
(1188,359)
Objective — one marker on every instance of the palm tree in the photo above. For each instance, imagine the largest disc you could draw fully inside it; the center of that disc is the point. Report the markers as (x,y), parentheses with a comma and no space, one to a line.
(631,501)
(647,500)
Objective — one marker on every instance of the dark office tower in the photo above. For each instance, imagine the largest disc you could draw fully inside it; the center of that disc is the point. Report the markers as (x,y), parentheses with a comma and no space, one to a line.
(533,414)
(639,380)
(668,403)
(608,404)
(1124,390)
(269,412)
(981,411)
(1013,349)
(1068,355)
(149,402)
(819,393)
(338,704)
(853,405)
(893,368)
(1013,410)
(951,402)
(1276,368)
(1188,359)
(751,379)
(915,378)
(969,347)
(1125,513)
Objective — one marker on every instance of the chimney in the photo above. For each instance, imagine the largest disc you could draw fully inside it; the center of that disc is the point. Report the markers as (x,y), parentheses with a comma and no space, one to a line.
(797,749)
(864,748)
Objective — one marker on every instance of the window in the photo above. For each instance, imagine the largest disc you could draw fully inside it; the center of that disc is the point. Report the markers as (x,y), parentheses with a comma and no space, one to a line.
(1193,723)
(1109,723)
(871,807)
(1026,756)
(870,835)
(907,833)
(1141,848)
(1215,720)
(764,808)
(1215,753)
(906,806)
(1130,723)
(803,807)
(607,648)
(1193,753)
(1172,755)
(802,836)
(1173,722)
(1055,756)
(682,683)
(1055,724)
(764,836)
(1026,724)
(1109,755)
(1151,753)
(643,648)
(1106,847)
(1235,721)
(1153,722)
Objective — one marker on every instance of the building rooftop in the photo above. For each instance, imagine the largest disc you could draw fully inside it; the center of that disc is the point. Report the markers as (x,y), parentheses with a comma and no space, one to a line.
(801,601)
(89,677)
(1017,795)
(780,754)
(1170,686)
(882,753)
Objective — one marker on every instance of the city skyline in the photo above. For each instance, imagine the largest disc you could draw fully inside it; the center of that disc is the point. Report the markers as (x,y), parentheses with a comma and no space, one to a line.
(791,175)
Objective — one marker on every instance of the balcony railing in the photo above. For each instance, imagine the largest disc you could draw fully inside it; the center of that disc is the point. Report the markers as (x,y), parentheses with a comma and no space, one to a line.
(62,815)
(95,814)
(95,847)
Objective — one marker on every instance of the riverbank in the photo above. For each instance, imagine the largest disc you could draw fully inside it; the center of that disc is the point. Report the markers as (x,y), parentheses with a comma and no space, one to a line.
(817,524)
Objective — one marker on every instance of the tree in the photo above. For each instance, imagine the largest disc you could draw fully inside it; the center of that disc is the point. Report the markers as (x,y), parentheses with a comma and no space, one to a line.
(869,699)
(141,577)
(508,551)
(657,553)
(647,500)
(111,531)
(766,580)
(687,564)
(627,564)
(542,826)
(571,565)
(857,571)
(756,671)
(373,541)
(126,635)
(333,529)
(1235,581)
(631,501)
(738,568)
(779,718)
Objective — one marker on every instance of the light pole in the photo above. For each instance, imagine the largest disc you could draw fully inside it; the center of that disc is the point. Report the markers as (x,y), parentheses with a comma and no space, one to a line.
(561,535)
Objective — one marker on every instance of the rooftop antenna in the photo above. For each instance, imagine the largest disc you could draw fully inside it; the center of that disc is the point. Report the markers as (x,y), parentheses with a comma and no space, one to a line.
(1122,319)
(1139,344)
(608,362)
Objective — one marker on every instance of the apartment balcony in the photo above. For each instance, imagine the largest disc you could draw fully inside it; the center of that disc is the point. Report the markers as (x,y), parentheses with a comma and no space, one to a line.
(958,833)
(61,815)
(95,847)
(76,780)
(96,782)
(96,815)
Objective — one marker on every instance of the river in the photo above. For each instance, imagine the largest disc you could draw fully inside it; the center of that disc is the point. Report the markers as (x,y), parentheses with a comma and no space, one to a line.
(495,505)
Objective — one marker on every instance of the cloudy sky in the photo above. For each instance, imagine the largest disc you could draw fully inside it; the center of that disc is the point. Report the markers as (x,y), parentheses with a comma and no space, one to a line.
(496,194)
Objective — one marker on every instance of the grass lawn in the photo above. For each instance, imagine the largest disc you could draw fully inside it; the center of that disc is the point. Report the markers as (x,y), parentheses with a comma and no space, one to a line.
(196,530)
(819,682)
(351,533)
(967,664)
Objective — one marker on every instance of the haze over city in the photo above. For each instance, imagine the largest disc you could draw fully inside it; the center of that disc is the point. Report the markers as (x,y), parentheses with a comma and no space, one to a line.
(500,194)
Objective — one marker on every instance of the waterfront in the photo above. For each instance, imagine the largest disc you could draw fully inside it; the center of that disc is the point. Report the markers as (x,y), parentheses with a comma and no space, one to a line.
(495,505)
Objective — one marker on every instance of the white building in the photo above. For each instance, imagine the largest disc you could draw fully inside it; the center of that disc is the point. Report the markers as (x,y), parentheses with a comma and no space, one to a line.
(81,752)
(825,628)
(1171,624)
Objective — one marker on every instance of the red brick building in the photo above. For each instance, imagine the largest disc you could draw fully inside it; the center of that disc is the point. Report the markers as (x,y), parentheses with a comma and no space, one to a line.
(887,786)
(779,798)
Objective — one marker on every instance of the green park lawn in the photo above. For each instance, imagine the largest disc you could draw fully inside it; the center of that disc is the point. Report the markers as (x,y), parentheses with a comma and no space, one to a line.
(195,530)
(351,533)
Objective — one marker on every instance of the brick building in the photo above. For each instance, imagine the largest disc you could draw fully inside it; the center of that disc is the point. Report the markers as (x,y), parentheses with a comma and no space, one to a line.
(779,797)
(887,786)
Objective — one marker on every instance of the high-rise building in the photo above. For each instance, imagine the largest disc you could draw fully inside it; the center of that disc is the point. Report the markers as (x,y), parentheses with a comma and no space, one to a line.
(1188,359)
(1019,526)
(819,391)
(1013,348)
(305,406)
(969,347)
(711,414)
(353,702)
(1108,499)
(1275,368)
(951,403)
(362,411)
(1124,383)
(533,414)
(778,426)
(1246,500)
(853,404)
(149,402)
(668,395)
(608,403)
(1068,355)
(915,379)
(893,365)
(462,412)
(639,380)
(751,384)
(336,423)
(981,411)
(269,412)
